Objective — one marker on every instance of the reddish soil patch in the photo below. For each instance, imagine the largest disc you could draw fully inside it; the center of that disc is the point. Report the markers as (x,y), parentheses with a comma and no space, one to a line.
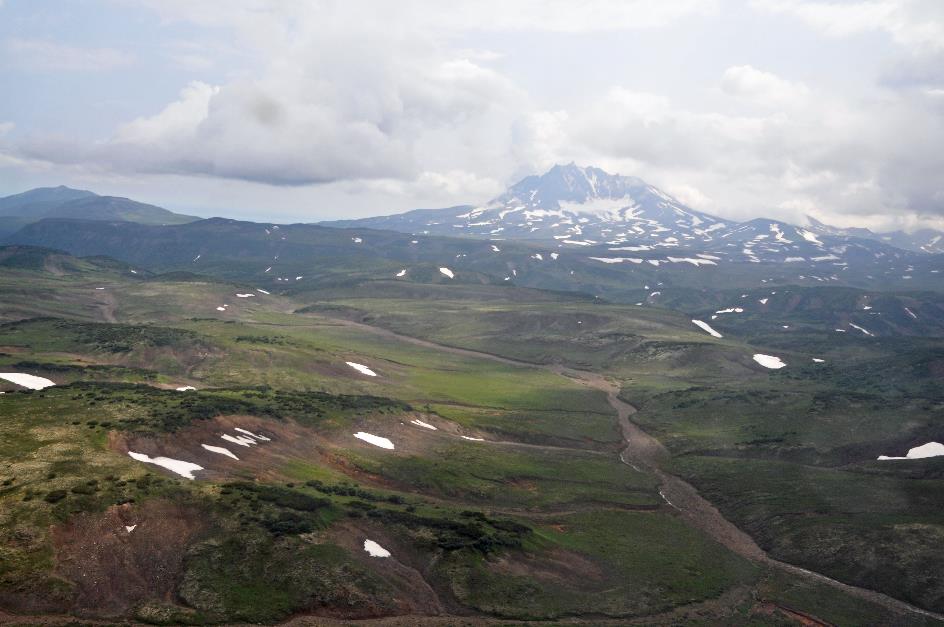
(113,569)
(403,569)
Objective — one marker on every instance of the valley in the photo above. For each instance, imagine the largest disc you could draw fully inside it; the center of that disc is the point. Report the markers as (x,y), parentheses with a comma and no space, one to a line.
(476,314)
(368,425)
(504,408)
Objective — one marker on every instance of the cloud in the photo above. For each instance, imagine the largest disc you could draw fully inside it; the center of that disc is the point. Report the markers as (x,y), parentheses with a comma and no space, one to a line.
(379,105)
(868,158)
(915,24)
(43,55)
(563,16)
(335,92)
(341,99)
(761,87)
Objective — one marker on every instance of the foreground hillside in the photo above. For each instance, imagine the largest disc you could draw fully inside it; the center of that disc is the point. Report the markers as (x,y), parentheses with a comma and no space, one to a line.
(222,452)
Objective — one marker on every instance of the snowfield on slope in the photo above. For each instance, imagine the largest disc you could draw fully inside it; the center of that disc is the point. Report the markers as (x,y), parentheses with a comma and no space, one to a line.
(27,380)
(704,326)
(769,361)
(376,440)
(425,425)
(361,368)
(375,550)
(221,450)
(182,468)
(931,449)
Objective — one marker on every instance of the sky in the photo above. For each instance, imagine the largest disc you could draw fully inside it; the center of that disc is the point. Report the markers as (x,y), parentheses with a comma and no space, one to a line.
(282,110)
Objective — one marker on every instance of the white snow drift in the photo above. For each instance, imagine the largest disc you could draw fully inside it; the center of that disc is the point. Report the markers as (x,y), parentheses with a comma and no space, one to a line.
(931,449)
(221,450)
(704,326)
(769,361)
(375,550)
(182,468)
(361,368)
(27,380)
(376,440)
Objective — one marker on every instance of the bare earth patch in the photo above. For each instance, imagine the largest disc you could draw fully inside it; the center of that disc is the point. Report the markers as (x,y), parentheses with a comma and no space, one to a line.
(114,569)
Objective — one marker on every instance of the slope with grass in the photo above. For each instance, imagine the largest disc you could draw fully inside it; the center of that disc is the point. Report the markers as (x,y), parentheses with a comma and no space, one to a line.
(504,493)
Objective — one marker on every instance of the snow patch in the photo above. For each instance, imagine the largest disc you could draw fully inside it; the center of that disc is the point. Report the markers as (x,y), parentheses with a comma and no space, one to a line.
(375,550)
(704,326)
(867,332)
(239,440)
(221,450)
(447,272)
(253,435)
(425,425)
(376,440)
(769,361)
(182,468)
(931,449)
(361,368)
(27,380)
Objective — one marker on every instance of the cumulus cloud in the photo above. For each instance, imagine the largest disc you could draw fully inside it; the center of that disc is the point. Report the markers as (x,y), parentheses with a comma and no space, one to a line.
(43,55)
(418,102)
(821,156)
(916,24)
(762,87)
(325,108)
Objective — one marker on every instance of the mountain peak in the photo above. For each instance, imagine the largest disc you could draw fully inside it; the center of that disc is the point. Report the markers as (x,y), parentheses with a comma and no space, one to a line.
(570,183)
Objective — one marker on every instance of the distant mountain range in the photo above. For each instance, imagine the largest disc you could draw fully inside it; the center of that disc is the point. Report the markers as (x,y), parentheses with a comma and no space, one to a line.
(571,229)
(586,206)
(64,202)
(921,241)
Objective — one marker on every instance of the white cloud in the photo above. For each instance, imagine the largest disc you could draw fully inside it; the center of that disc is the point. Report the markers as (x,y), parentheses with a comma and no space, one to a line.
(761,87)
(391,105)
(40,54)
(861,158)
(492,15)
(916,24)
(325,107)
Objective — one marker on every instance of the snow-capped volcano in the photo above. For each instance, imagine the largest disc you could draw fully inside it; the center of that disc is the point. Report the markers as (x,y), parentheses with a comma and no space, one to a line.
(613,219)
(572,205)
(578,204)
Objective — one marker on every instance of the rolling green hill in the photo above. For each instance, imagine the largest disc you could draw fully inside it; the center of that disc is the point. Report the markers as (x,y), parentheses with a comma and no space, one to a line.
(27,207)
(513,490)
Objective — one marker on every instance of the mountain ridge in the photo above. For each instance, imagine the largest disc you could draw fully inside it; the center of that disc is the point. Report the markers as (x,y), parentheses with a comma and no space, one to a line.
(578,206)
(18,210)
